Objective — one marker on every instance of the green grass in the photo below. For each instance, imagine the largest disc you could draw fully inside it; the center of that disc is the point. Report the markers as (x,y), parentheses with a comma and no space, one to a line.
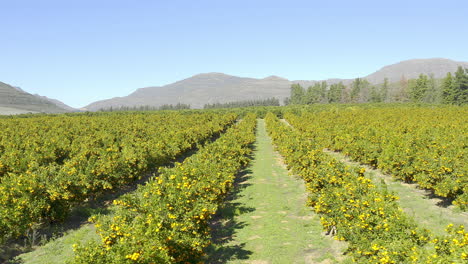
(415,202)
(423,208)
(61,249)
(267,221)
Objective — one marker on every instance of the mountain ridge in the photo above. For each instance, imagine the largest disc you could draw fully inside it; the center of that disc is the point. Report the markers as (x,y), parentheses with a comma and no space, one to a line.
(14,100)
(438,66)
(216,87)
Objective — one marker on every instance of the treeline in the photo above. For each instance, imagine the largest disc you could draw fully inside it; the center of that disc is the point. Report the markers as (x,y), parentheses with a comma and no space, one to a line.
(453,89)
(247,103)
(178,106)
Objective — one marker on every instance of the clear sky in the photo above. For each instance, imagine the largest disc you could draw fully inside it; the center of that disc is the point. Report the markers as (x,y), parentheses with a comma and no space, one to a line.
(80,51)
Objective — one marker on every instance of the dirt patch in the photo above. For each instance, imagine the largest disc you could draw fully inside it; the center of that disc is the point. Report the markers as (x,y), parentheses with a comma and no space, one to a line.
(310,255)
(260,181)
(254,237)
(313,255)
(257,227)
(259,262)
(310,259)
(305,218)
(280,160)
(256,216)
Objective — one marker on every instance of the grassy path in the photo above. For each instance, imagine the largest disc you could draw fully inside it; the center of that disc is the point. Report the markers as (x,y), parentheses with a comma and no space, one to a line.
(429,212)
(267,220)
(59,250)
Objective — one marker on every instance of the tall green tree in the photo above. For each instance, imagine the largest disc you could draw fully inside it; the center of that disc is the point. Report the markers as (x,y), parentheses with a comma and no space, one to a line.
(297,94)
(461,86)
(360,90)
(448,89)
(335,94)
(314,94)
(418,87)
(455,87)
(432,93)
(384,91)
(374,95)
(355,89)
(323,92)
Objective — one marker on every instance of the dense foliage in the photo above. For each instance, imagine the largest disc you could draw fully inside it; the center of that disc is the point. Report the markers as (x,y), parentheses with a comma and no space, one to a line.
(453,89)
(414,144)
(355,210)
(48,164)
(246,103)
(166,220)
(178,106)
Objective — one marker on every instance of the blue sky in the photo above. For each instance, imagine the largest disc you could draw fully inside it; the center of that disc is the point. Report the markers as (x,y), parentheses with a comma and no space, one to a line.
(80,51)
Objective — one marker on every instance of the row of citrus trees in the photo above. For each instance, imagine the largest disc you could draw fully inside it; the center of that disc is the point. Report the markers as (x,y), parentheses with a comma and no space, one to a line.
(355,210)
(166,220)
(49,164)
(423,145)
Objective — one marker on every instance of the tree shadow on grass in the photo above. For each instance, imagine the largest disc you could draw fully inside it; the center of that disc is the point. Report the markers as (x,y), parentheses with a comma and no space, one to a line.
(224,225)
(444,202)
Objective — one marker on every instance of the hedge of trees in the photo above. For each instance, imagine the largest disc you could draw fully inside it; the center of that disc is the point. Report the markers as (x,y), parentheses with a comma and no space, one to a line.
(453,89)
(178,106)
(247,103)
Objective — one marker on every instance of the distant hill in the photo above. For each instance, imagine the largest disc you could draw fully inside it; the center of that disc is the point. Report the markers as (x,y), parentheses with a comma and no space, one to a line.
(211,88)
(13,100)
(411,69)
(58,103)
(202,89)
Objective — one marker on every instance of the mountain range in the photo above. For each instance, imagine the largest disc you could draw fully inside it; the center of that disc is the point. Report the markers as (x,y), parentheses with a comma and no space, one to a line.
(208,88)
(13,100)
(211,88)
